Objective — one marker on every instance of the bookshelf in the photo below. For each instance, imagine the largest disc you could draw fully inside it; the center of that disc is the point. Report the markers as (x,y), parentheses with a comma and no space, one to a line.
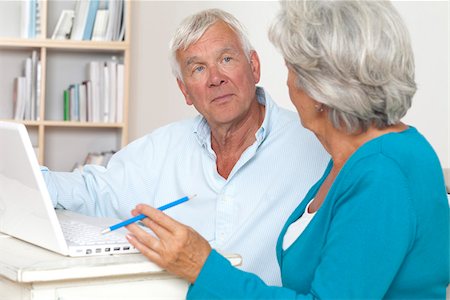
(60,144)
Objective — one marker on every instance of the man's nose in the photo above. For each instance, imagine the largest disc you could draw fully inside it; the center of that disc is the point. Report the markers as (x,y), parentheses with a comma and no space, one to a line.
(216,77)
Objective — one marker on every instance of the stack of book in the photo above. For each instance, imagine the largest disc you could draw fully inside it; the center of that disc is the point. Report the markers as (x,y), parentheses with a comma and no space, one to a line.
(100,98)
(92,20)
(26,92)
(30,19)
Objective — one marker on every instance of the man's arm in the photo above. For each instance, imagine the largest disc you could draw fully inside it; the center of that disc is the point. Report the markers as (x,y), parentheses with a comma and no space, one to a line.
(76,191)
(106,191)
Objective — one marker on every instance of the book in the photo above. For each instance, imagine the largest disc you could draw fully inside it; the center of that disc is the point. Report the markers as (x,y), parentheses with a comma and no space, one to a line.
(25,18)
(119,16)
(106,93)
(38,32)
(90,19)
(66,99)
(27,90)
(64,26)
(96,89)
(76,103)
(27,73)
(120,91)
(114,20)
(79,22)
(38,90)
(15,96)
(89,102)
(122,24)
(82,103)
(112,7)
(73,103)
(33,85)
(32,24)
(19,98)
(112,84)
(101,22)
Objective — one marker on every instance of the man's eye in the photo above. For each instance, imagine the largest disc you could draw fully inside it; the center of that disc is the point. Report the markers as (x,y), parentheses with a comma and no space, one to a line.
(227,59)
(198,69)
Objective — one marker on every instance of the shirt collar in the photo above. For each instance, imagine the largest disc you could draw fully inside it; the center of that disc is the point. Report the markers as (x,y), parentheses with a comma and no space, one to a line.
(203,132)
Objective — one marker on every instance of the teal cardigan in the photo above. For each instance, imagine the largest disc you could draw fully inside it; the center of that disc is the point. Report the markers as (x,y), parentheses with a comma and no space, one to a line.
(381,232)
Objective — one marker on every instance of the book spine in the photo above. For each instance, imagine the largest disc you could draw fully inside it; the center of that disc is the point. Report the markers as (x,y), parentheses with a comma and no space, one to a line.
(66,106)
(92,12)
(120,92)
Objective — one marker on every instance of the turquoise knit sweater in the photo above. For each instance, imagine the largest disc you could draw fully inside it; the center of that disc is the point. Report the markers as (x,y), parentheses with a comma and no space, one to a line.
(381,232)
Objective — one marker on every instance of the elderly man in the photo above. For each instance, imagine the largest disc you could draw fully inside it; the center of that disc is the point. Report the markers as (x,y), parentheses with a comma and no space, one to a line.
(240,155)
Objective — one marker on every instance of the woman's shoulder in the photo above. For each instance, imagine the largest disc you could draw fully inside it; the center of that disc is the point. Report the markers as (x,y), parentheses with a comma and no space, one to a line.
(404,149)
(405,158)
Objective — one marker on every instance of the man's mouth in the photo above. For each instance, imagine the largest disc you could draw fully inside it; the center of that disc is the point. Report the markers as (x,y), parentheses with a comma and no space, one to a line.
(222,97)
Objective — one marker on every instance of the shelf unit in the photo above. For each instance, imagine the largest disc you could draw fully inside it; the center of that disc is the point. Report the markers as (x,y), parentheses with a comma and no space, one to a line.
(62,62)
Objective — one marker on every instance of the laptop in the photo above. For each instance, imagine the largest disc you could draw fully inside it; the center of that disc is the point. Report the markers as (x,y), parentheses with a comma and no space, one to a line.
(27,213)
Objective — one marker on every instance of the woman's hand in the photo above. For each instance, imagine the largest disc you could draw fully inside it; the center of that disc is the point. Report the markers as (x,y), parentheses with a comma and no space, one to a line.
(177,248)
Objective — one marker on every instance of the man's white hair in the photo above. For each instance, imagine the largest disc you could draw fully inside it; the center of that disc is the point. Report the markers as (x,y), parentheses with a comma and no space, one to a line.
(192,29)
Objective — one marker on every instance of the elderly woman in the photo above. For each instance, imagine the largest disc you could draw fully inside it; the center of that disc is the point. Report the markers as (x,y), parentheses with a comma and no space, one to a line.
(376,224)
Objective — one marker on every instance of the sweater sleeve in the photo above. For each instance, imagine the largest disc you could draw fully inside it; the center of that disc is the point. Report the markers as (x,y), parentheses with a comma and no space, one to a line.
(218,279)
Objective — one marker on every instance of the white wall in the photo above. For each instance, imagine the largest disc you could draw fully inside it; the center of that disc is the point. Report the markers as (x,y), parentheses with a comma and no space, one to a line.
(155,98)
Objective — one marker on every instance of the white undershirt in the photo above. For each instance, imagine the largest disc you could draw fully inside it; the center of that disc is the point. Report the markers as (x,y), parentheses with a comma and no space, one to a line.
(296,229)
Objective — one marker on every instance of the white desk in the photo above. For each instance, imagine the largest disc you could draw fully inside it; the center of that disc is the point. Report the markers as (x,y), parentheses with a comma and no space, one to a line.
(30,272)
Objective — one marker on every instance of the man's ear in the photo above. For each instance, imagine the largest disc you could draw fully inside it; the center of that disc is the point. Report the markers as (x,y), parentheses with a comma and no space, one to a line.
(255,65)
(184,91)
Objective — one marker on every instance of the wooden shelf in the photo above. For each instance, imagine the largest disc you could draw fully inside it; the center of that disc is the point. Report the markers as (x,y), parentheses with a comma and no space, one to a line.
(65,60)
(16,43)
(68,124)
(82,124)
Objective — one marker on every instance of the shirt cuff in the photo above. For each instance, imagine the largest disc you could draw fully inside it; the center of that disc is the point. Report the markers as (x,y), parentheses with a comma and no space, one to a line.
(50,186)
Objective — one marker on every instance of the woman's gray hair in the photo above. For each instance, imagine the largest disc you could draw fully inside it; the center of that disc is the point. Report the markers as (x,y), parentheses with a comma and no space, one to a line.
(355,57)
(193,27)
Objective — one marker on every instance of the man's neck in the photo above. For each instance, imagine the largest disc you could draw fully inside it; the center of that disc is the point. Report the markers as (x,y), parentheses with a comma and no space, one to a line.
(230,141)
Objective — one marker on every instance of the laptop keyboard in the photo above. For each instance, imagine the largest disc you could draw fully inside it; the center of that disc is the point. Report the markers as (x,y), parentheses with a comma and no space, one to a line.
(86,234)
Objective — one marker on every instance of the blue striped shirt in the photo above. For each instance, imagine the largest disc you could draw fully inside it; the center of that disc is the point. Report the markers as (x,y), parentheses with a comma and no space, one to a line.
(242,214)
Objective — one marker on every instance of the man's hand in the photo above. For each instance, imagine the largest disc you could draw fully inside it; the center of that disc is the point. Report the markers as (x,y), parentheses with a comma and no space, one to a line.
(177,248)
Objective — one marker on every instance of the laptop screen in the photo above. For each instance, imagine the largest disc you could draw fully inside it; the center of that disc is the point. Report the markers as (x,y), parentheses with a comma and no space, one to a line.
(26,211)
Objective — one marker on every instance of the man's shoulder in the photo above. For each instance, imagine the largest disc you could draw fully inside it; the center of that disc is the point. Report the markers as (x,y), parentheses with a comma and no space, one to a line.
(288,115)
(174,128)
(175,131)
(279,116)
(177,127)
(286,120)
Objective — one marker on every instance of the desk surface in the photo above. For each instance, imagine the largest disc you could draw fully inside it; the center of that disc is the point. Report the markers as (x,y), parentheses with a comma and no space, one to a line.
(23,262)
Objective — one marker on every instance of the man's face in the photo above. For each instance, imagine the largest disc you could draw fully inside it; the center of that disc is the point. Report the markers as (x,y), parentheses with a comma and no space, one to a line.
(218,79)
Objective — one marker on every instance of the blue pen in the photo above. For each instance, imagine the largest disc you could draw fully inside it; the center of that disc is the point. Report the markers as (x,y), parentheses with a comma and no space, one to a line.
(142,216)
